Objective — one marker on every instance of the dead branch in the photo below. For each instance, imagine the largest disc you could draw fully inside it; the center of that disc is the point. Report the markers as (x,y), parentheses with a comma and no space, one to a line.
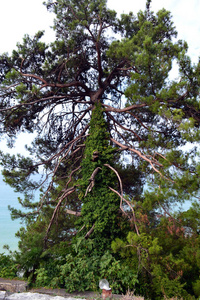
(54,173)
(92,177)
(81,229)
(34,102)
(70,176)
(72,212)
(125,109)
(45,84)
(90,231)
(57,165)
(121,126)
(151,162)
(66,194)
(120,183)
(131,207)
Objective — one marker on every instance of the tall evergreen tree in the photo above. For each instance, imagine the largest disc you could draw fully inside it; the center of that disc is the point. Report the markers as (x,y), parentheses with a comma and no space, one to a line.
(100,90)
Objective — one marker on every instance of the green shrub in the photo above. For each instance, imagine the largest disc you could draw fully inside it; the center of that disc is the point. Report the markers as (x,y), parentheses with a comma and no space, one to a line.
(8,267)
(82,269)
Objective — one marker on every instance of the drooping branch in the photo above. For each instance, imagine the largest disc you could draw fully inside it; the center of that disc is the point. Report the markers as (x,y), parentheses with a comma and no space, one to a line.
(70,176)
(151,162)
(131,207)
(121,196)
(34,102)
(57,165)
(92,180)
(124,147)
(91,185)
(120,182)
(65,195)
(90,231)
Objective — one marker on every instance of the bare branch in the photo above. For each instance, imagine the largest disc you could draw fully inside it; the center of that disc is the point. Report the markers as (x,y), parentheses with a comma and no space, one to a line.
(35,77)
(34,102)
(125,109)
(122,127)
(66,194)
(92,177)
(90,231)
(151,162)
(73,83)
(137,152)
(56,167)
(122,198)
(72,212)
(131,207)
(120,182)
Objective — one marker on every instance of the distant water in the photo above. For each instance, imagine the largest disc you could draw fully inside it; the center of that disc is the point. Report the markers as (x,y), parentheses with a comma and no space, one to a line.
(8,228)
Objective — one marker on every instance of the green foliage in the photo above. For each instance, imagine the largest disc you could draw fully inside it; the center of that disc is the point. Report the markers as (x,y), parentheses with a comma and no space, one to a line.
(101,88)
(165,255)
(17,172)
(42,278)
(100,206)
(83,271)
(88,260)
(8,266)
(31,245)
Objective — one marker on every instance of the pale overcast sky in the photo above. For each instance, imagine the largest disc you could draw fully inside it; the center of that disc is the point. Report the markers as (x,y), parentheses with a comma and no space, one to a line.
(18,17)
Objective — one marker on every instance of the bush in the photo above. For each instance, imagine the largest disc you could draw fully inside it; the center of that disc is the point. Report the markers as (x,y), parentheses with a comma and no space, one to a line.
(8,267)
(81,271)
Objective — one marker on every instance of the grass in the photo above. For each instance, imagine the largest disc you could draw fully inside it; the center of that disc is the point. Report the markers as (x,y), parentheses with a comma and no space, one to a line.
(130,296)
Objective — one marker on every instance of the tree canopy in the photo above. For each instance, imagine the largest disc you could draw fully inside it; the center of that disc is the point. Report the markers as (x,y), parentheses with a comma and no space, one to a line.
(116,142)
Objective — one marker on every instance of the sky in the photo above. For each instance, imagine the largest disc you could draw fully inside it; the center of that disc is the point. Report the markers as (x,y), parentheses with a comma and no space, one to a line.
(185,15)
(19,17)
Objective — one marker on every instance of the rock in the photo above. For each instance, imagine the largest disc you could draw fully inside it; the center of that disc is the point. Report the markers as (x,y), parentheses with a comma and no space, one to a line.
(2,295)
(35,296)
(13,286)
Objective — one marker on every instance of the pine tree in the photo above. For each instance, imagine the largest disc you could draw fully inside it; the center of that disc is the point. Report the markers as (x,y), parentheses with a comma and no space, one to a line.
(97,96)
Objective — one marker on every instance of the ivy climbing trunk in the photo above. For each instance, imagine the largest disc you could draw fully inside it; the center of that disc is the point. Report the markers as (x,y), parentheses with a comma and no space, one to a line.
(101,219)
